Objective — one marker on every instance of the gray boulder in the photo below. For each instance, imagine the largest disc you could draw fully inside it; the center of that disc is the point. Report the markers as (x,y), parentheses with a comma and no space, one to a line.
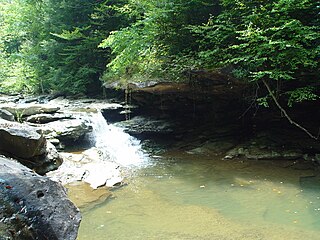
(21,140)
(67,130)
(46,118)
(34,207)
(4,114)
(28,146)
(28,109)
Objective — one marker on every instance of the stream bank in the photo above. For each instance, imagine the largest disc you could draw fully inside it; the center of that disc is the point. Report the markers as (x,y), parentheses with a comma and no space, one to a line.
(199,122)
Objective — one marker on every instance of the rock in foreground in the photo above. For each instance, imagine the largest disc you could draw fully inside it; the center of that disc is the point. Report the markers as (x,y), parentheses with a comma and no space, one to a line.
(34,207)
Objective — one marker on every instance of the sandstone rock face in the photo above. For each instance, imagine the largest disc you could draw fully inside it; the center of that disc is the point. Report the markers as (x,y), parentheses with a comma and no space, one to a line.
(89,167)
(20,110)
(139,125)
(34,207)
(28,146)
(21,140)
(46,118)
(4,114)
(67,130)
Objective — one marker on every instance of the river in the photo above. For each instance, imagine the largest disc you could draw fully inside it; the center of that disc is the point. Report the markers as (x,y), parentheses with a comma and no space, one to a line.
(182,196)
(179,195)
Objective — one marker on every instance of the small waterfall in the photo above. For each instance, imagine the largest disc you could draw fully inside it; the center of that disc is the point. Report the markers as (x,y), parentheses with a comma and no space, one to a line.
(115,144)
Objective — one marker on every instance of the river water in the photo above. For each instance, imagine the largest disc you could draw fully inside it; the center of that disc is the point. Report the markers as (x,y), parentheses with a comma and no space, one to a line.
(192,196)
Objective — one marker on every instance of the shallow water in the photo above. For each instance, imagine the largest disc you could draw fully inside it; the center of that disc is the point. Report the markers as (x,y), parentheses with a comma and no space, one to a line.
(183,196)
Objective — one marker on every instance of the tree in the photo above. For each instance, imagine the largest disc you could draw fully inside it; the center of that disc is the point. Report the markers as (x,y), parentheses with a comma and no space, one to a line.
(268,43)
(158,42)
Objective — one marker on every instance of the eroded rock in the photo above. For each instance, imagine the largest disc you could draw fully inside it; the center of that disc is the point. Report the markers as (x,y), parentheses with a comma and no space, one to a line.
(139,125)
(6,115)
(21,140)
(90,167)
(67,130)
(46,118)
(28,109)
(28,146)
(34,207)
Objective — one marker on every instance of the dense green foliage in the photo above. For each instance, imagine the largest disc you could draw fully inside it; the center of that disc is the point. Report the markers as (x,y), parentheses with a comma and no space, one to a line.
(70,45)
(52,45)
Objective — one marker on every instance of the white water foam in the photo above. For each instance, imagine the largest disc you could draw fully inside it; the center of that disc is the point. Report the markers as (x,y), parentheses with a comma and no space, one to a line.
(115,144)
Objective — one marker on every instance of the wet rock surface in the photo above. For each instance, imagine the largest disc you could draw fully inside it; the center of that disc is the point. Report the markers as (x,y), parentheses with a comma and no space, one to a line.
(89,167)
(34,207)
(143,126)
(85,197)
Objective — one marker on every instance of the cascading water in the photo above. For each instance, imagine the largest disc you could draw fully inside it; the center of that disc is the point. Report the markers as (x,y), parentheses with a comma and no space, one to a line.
(115,144)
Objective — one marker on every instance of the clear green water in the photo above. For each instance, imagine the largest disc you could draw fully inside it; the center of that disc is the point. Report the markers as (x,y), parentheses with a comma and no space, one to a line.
(183,196)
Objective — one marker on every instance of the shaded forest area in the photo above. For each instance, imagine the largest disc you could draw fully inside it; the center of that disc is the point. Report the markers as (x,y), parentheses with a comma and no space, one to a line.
(74,46)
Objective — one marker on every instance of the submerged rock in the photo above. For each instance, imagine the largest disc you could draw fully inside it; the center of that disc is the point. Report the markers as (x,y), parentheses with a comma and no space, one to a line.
(84,196)
(34,207)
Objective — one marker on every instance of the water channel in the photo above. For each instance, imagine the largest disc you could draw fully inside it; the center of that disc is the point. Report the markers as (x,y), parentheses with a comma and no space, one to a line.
(178,195)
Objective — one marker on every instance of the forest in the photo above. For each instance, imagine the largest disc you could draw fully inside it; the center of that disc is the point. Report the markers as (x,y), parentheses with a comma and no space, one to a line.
(74,46)
(163,119)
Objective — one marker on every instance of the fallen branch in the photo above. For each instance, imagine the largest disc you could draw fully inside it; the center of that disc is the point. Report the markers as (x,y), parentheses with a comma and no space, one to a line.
(283,111)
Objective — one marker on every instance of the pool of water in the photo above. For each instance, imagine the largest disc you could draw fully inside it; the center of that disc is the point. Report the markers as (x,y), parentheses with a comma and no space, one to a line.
(184,196)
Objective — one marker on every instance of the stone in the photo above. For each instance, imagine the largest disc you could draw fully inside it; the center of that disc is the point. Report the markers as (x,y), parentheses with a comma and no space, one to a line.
(33,206)
(84,196)
(21,140)
(66,130)
(258,153)
(28,109)
(90,167)
(141,126)
(28,146)
(46,118)
(272,154)
(6,115)
(51,161)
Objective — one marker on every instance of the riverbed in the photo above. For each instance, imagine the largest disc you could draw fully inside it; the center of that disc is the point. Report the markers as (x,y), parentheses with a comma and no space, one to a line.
(179,195)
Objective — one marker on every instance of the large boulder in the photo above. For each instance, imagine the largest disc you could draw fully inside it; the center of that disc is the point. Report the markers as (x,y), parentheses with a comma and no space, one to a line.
(67,130)
(28,146)
(21,140)
(34,207)
(4,114)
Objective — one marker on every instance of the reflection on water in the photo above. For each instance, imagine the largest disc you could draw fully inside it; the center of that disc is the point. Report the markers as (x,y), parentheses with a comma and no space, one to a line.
(184,196)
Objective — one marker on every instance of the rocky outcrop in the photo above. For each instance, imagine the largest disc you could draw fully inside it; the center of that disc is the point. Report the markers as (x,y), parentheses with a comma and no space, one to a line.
(21,140)
(34,207)
(6,115)
(28,146)
(66,130)
(23,110)
(142,127)
(89,167)
(46,118)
